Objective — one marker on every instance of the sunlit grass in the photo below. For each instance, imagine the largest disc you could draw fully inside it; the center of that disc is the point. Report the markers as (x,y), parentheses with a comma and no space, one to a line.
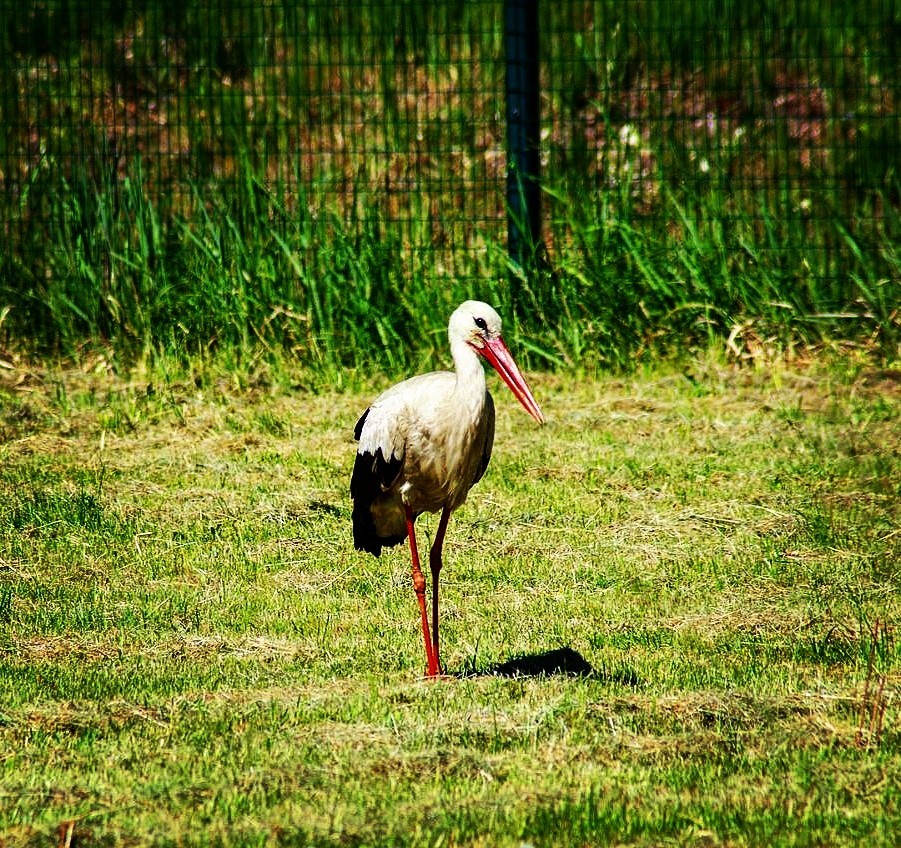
(191,651)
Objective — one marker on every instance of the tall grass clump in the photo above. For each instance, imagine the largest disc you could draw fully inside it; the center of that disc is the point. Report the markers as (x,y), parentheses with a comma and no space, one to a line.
(324,182)
(249,270)
(256,270)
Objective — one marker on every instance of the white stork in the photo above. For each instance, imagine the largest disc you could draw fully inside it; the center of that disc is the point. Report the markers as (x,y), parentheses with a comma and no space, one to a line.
(425,442)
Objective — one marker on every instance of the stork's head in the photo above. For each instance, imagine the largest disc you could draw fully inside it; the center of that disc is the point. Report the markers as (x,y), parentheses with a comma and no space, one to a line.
(479,327)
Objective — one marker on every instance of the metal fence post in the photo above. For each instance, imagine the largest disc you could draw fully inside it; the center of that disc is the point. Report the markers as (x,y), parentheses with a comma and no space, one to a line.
(523,115)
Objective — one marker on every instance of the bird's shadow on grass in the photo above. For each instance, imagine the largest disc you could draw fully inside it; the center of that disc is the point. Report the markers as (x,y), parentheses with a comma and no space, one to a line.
(559,661)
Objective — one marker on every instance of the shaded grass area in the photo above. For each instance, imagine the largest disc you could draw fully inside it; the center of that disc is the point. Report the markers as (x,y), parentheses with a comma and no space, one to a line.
(329,180)
(192,652)
(250,280)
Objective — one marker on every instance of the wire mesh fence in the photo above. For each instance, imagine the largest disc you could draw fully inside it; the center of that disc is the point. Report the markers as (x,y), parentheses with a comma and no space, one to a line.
(772,128)
(376,111)
(769,117)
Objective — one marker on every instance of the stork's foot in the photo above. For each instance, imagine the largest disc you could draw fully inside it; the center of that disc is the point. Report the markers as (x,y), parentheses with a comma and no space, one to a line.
(437,676)
(434,670)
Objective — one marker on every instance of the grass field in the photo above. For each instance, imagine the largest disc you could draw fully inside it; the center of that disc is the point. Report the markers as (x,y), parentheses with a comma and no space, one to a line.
(191,652)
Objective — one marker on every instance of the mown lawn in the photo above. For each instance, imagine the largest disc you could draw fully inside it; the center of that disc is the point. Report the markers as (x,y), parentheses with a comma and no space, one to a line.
(191,652)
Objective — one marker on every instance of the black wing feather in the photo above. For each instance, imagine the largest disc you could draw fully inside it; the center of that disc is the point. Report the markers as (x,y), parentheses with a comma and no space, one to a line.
(372,476)
(358,427)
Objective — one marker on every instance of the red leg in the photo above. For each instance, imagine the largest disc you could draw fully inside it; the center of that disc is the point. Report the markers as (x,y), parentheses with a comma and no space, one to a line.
(419,588)
(435,564)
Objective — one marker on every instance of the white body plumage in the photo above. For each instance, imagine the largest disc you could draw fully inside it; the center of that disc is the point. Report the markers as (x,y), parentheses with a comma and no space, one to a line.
(425,442)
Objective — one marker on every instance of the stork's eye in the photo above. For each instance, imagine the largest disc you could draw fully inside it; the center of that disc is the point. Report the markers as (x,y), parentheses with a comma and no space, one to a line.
(481,323)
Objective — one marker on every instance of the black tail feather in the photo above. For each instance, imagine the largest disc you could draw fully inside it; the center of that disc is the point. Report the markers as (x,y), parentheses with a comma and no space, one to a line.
(366,538)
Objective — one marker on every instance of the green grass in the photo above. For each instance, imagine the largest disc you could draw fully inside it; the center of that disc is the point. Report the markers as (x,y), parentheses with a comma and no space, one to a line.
(191,652)
(329,180)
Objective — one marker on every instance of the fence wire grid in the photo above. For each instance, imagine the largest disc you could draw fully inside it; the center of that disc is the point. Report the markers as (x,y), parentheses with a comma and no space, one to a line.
(390,115)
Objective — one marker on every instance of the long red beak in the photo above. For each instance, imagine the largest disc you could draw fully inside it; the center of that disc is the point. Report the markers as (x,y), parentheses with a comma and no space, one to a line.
(500,358)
